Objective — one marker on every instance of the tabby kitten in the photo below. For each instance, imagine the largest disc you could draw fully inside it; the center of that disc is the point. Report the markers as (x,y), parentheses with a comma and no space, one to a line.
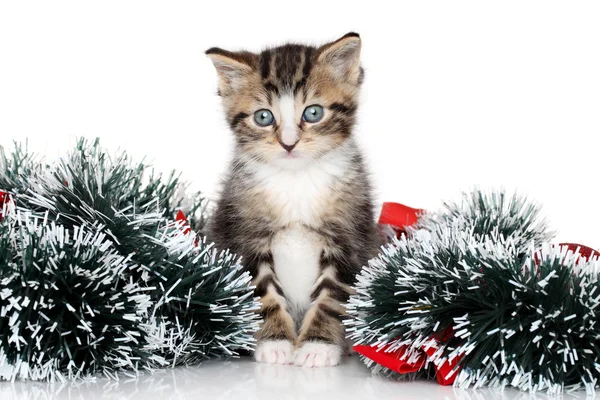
(296,204)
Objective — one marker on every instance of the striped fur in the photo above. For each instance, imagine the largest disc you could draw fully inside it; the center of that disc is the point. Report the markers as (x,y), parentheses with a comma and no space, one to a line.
(301,218)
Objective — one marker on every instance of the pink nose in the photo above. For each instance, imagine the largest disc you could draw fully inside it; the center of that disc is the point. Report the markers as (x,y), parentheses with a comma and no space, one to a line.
(287,147)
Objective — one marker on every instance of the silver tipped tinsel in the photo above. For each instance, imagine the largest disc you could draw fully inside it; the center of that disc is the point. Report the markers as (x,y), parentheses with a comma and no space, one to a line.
(523,313)
(76,299)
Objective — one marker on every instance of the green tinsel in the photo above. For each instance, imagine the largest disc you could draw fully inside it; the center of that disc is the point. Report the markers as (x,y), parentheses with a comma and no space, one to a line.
(522,313)
(97,276)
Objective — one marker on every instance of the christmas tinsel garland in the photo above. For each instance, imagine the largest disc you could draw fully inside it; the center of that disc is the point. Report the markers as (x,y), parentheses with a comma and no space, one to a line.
(478,289)
(104,269)
(97,275)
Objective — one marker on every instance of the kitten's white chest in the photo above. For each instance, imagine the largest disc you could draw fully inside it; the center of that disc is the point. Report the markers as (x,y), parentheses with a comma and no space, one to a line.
(296,254)
(298,199)
(298,196)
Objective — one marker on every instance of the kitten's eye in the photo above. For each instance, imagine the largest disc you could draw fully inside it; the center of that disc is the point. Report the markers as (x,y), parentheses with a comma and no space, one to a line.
(264,117)
(313,113)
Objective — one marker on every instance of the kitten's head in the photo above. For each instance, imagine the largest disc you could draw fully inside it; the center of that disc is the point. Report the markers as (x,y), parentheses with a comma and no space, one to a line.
(290,104)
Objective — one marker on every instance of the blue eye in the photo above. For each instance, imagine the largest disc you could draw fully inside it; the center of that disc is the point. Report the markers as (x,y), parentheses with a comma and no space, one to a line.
(264,117)
(313,113)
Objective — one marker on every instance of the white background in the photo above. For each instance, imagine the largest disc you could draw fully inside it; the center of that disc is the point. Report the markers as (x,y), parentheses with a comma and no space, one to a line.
(456,93)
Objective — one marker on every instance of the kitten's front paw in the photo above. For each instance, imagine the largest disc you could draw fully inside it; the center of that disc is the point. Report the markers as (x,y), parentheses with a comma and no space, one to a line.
(315,354)
(274,352)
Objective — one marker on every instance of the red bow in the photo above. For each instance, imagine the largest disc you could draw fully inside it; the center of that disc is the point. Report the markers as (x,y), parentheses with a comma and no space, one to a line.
(399,217)
(445,371)
(181,218)
(584,252)
(4,197)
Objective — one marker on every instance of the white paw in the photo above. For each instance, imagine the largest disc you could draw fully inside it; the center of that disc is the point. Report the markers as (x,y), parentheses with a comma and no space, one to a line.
(274,352)
(314,354)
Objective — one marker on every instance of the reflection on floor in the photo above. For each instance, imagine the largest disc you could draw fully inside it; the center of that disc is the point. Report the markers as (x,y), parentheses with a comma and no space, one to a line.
(245,379)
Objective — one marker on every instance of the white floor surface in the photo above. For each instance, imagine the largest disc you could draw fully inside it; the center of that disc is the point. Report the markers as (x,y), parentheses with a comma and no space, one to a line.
(245,379)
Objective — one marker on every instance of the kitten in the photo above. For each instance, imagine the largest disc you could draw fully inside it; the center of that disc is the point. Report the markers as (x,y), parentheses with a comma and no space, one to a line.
(296,204)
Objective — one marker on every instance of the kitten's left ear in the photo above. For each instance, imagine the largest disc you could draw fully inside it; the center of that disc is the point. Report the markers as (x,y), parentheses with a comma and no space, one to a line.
(232,67)
(343,57)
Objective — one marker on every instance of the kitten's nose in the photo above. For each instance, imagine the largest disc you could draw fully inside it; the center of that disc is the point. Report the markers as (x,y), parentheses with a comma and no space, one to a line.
(287,147)
(289,136)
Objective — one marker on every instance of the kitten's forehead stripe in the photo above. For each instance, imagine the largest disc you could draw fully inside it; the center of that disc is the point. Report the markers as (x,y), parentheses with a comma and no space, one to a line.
(306,68)
(308,55)
(288,60)
(286,68)
(270,87)
(265,63)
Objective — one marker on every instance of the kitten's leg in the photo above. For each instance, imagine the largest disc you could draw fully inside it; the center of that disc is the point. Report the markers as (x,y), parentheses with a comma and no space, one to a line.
(278,332)
(321,338)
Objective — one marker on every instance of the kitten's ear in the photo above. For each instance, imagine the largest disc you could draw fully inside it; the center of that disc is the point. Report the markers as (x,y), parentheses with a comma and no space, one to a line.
(343,57)
(232,67)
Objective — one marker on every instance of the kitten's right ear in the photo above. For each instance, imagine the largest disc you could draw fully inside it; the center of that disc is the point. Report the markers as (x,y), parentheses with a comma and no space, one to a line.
(343,57)
(232,67)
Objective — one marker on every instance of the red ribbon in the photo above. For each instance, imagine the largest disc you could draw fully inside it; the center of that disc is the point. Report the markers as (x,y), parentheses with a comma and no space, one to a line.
(4,198)
(445,372)
(180,217)
(585,252)
(399,217)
